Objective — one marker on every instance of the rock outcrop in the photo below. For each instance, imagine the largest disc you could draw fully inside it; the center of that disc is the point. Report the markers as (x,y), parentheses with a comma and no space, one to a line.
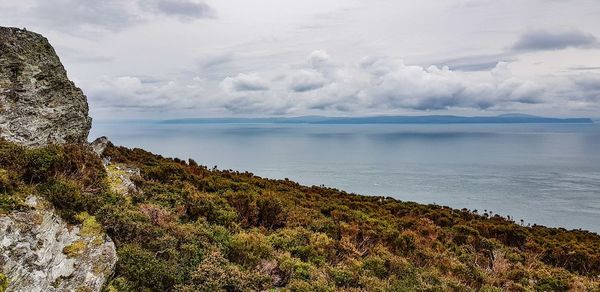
(38,103)
(40,252)
(99,145)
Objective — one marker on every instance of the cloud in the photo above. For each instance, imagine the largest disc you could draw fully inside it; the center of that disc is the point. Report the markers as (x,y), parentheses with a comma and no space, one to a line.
(306,80)
(587,87)
(92,16)
(543,40)
(144,93)
(475,63)
(244,82)
(184,9)
(71,15)
(380,85)
(370,86)
(318,59)
(435,88)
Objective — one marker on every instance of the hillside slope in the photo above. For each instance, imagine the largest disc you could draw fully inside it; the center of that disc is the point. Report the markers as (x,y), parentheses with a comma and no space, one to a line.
(179,226)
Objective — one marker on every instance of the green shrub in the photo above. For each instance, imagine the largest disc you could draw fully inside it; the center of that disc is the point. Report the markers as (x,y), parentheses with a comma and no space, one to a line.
(488,288)
(66,195)
(214,208)
(144,270)
(249,248)
(42,163)
(375,266)
(215,273)
(406,242)
(8,181)
(343,277)
(552,284)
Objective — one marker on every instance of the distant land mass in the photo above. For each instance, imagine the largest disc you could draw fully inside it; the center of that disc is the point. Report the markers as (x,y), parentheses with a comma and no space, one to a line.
(431,119)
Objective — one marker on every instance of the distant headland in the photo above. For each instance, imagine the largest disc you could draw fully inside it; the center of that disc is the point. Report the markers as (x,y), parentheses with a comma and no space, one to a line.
(430,119)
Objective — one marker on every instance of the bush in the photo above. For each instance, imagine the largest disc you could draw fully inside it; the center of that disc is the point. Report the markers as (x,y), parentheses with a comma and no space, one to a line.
(343,277)
(144,270)
(214,208)
(215,273)
(65,195)
(249,248)
(42,163)
(8,182)
(375,266)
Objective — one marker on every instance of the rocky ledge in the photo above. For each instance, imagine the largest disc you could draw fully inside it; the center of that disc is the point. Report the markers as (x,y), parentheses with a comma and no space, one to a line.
(41,252)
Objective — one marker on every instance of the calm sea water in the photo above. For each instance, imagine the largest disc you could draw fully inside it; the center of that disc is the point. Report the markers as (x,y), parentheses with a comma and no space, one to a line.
(547,174)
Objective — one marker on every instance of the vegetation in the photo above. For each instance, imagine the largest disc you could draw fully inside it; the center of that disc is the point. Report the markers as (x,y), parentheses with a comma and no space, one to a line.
(3,282)
(189,228)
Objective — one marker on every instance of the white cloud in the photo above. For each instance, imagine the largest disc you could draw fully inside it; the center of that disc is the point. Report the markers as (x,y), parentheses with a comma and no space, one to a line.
(382,84)
(367,86)
(306,80)
(136,93)
(244,82)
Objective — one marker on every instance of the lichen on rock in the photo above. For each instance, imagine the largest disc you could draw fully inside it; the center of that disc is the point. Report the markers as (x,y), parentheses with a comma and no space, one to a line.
(41,252)
(120,178)
(38,103)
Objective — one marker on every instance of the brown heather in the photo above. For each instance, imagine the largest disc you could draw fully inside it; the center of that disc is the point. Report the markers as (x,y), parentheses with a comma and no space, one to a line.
(190,228)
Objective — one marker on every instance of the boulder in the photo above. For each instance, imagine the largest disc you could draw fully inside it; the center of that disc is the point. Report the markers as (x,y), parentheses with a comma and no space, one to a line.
(99,145)
(38,103)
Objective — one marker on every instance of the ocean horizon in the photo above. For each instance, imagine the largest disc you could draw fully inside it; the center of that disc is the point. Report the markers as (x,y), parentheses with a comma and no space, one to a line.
(546,174)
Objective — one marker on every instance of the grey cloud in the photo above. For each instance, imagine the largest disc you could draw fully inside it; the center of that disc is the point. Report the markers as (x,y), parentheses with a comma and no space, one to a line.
(252,104)
(215,67)
(545,40)
(584,68)
(588,82)
(185,9)
(144,92)
(475,67)
(70,15)
(244,82)
(584,87)
(69,53)
(306,80)
(475,63)
(92,16)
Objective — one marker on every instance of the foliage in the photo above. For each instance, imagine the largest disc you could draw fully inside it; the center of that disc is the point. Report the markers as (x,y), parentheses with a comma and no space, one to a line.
(3,282)
(190,228)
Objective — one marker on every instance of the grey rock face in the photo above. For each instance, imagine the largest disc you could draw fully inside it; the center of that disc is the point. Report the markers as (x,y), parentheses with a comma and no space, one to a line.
(99,145)
(38,103)
(40,252)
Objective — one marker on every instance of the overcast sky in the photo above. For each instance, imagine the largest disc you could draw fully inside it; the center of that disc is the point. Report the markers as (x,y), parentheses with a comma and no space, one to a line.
(190,58)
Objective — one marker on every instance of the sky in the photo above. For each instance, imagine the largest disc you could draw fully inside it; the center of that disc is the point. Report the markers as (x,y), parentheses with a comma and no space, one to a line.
(158,59)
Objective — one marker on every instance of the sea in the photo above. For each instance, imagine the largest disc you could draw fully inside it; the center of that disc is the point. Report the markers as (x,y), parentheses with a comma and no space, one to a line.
(545,174)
